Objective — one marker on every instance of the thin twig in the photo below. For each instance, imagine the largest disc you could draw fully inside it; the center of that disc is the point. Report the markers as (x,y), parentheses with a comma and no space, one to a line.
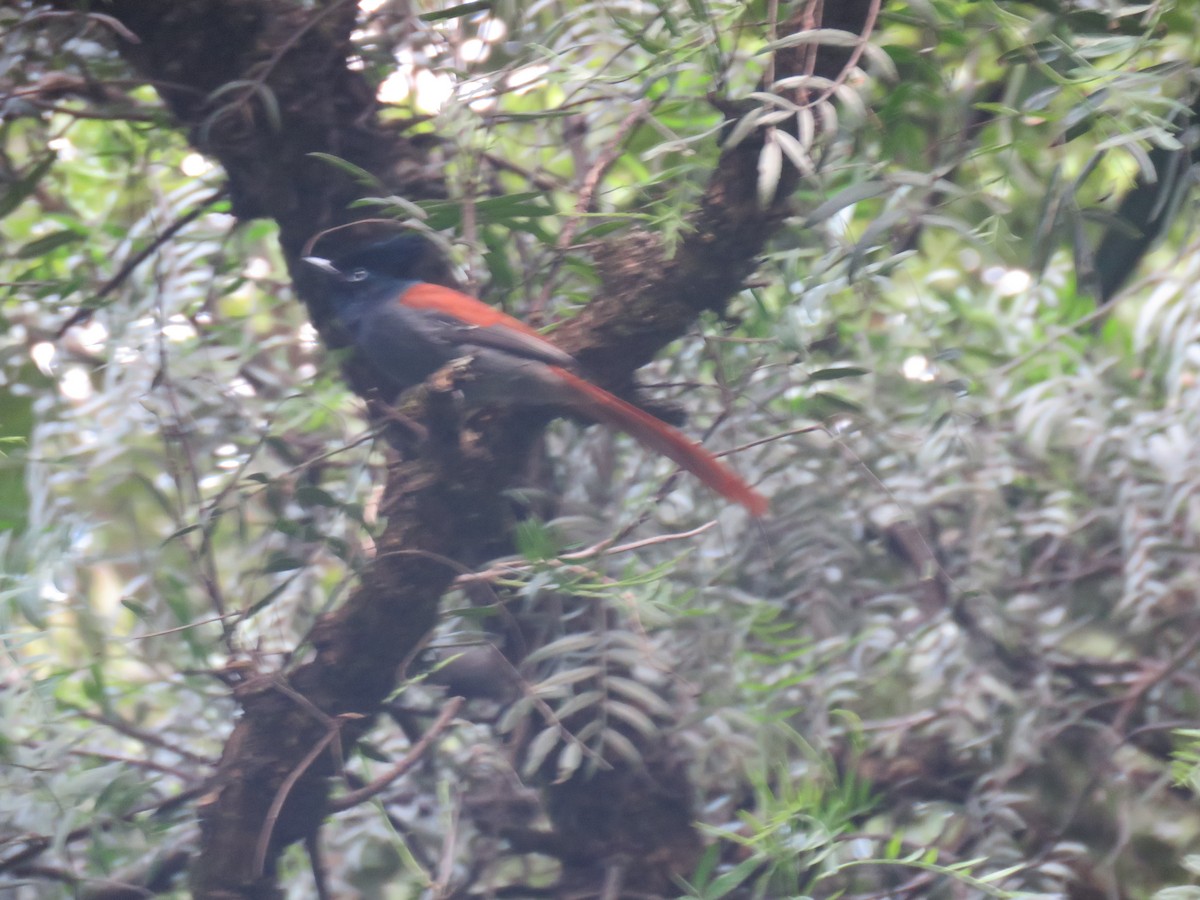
(130,761)
(146,737)
(115,24)
(449,847)
(114,115)
(84,313)
(366,792)
(312,844)
(504,570)
(179,628)
(1098,313)
(614,877)
(603,546)
(285,790)
(35,844)
(1144,684)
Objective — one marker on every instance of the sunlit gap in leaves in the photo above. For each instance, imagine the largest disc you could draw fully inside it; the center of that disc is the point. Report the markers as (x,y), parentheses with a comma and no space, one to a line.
(1007,282)
(63,147)
(194,165)
(74,382)
(919,368)
(423,74)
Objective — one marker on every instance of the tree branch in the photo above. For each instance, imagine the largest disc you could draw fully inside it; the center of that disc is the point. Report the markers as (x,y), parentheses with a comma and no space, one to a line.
(262,85)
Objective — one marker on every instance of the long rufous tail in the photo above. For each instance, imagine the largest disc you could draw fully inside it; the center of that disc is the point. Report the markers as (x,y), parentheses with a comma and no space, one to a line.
(662,438)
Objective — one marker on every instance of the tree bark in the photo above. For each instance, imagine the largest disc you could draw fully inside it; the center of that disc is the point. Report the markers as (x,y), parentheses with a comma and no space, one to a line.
(261,85)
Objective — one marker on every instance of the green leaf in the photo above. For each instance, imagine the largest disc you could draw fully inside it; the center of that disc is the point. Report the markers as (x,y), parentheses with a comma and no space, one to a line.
(359,174)
(733,879)
(310,495)
(770,167)
(43,245)
(180,532)
(456,12)
(16,429)
(26,185)
(264,601)
(829,404)
(280,561)
(835,372)
(828,37)
(856,193)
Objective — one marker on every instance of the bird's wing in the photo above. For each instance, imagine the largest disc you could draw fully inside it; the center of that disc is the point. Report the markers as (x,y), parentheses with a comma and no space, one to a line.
(474,322)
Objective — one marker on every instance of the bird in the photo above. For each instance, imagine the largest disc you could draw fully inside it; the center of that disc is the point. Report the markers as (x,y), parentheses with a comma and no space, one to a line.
(407,329)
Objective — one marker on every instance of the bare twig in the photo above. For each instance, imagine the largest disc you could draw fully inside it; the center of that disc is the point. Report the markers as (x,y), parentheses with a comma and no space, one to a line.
(35,844)
(108,21)
(130,761)
(411,758)
(146,737)
(84,313)
(1148,681)
(317,862)
(285,789)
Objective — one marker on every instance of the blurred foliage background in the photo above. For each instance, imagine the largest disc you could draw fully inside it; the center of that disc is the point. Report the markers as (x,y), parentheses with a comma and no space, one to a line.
(959,657)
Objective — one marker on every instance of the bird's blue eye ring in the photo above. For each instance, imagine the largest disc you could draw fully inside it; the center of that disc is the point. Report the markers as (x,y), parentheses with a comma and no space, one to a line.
(357,275)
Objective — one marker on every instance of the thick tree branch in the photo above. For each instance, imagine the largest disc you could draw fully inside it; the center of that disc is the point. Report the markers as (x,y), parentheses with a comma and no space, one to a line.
(262,85)
(649,299)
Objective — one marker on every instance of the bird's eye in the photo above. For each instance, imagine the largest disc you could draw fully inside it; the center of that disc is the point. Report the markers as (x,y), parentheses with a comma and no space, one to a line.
(358,275)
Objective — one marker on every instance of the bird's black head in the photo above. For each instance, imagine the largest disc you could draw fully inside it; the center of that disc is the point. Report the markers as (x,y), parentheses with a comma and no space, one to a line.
(406,257)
